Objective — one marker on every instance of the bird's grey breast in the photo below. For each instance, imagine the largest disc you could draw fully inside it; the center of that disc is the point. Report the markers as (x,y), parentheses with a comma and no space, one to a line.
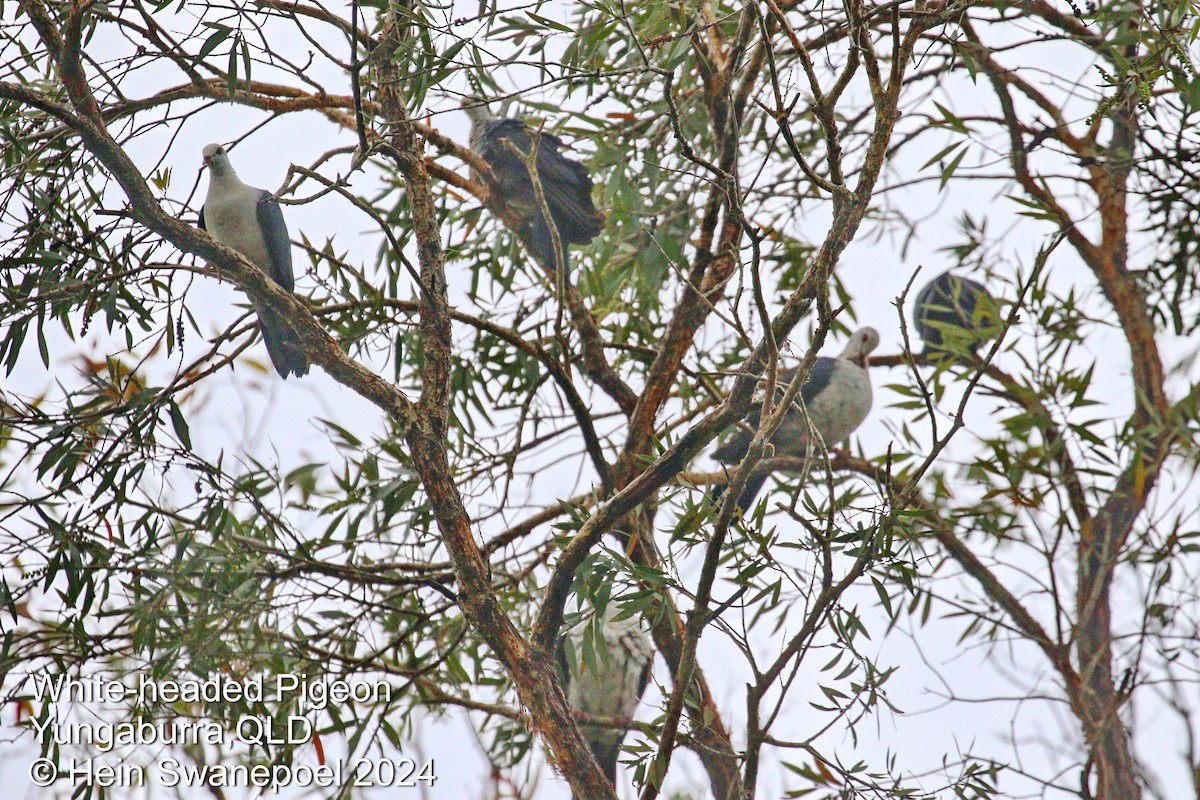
(845,403)
(231,217)
(610,687)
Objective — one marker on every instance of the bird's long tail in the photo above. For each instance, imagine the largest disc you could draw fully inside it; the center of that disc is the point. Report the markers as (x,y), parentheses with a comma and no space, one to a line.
(283,345)
(606,754)
(749,492)
(543,244)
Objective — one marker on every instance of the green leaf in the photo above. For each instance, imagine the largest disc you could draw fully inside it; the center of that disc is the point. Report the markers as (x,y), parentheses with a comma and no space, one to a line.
(233,66)
(948,172)
(942,154)
(951,120)
(246,62)
(549,23)
(215,38)
(180,424)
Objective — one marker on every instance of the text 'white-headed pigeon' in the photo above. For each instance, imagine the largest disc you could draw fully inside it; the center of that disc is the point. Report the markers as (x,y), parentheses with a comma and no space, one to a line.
(250,221)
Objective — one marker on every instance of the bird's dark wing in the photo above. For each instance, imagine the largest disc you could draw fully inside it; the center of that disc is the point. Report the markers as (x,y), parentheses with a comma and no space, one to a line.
(510,180)
(543,244)
(283,344)
(565,182)
(951,302)
(568,189)
(275,235)
(507,167)
(560,658)
(818,379)
(791,435)
(644,677)
(734,448)
(751,489)
(201,220)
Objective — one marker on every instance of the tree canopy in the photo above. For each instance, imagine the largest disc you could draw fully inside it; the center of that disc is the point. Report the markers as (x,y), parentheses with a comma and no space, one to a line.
(489,452)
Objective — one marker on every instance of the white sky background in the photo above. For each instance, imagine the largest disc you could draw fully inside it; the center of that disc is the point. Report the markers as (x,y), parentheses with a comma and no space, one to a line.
(279,425)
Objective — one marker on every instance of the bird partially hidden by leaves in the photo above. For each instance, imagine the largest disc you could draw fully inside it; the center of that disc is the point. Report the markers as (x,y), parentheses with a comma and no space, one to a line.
(607,680)
(566,184)
(953,314)
(250,221)
(831,404)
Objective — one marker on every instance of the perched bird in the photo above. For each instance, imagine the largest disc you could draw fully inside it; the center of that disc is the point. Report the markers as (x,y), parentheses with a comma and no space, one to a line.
(565,182)
(953,313)
(612,686)
(833,402)
(250,221)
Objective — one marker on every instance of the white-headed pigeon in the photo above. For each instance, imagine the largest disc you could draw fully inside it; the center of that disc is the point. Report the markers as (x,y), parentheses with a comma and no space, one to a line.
(565,182)
(250,221)
(612,686)
(833,402)
(955,314)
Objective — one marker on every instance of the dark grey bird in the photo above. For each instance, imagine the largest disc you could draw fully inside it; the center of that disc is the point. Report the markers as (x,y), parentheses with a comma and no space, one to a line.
(832,403)
(250,221)
(612,686)
(566,184)
(955,314)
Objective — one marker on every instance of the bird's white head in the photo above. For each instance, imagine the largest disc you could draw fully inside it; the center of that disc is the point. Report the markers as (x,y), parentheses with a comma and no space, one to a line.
(860,346)
(480,115)
(477,110)
(217,159)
